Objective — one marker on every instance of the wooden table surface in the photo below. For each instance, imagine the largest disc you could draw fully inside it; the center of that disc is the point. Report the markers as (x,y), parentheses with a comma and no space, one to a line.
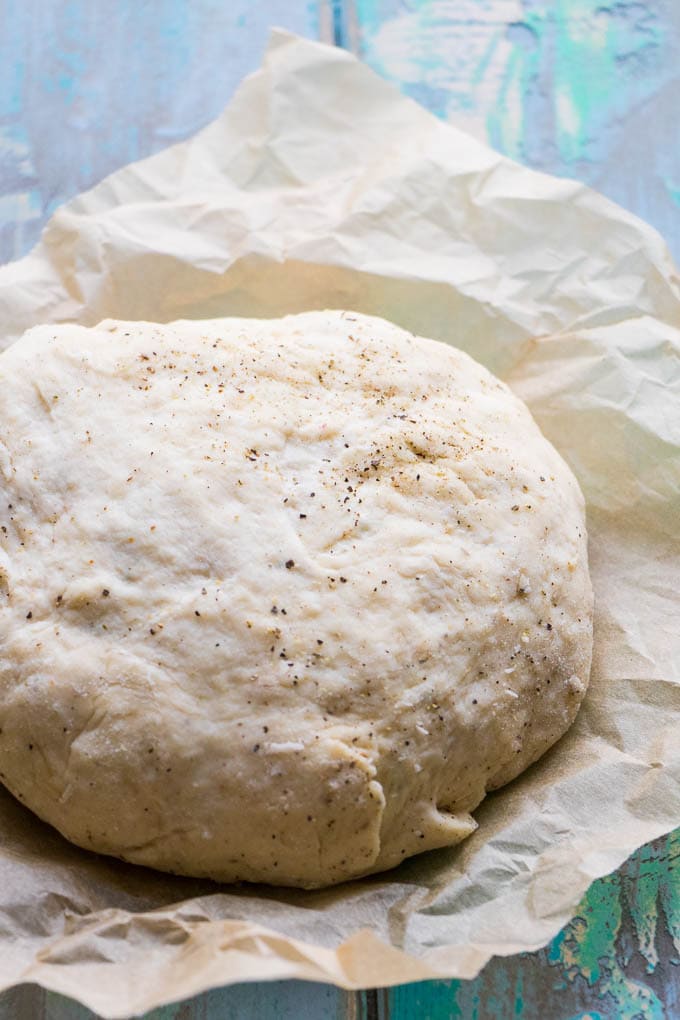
(584,88)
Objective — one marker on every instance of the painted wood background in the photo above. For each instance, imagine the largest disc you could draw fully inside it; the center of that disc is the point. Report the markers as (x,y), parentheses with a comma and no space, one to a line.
(584,88)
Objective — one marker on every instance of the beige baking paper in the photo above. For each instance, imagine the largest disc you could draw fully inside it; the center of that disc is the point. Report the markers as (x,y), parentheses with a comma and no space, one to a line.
(320,186)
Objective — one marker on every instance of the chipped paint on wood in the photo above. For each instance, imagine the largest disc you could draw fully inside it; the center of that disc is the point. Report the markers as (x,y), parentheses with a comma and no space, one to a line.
(618,958)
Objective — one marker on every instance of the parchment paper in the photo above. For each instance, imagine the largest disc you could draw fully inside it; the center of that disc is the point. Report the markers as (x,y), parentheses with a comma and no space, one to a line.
(319,187)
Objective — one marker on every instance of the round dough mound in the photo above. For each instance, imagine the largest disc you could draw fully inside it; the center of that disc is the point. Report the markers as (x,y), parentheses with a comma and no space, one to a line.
(281,600)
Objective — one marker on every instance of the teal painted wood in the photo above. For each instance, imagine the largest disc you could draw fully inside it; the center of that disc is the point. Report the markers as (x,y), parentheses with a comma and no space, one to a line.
(619,958)
(582,88)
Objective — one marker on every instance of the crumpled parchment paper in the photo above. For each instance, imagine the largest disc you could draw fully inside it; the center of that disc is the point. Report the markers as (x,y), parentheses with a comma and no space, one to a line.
(320,186)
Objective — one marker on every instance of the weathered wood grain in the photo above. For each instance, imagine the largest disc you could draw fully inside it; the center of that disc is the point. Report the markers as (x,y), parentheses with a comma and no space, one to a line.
(86,87)
(281,1000)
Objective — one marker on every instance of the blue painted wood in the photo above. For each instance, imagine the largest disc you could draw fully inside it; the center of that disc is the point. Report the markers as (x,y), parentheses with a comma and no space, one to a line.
(89,85)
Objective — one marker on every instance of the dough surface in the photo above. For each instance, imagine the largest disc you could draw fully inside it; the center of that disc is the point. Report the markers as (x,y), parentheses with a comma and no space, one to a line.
(279,600)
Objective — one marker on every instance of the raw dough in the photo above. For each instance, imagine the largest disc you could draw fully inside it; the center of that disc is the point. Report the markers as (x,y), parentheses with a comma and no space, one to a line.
(281,600)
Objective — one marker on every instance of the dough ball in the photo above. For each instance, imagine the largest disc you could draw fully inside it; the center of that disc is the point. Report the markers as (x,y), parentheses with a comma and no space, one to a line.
(280,601)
